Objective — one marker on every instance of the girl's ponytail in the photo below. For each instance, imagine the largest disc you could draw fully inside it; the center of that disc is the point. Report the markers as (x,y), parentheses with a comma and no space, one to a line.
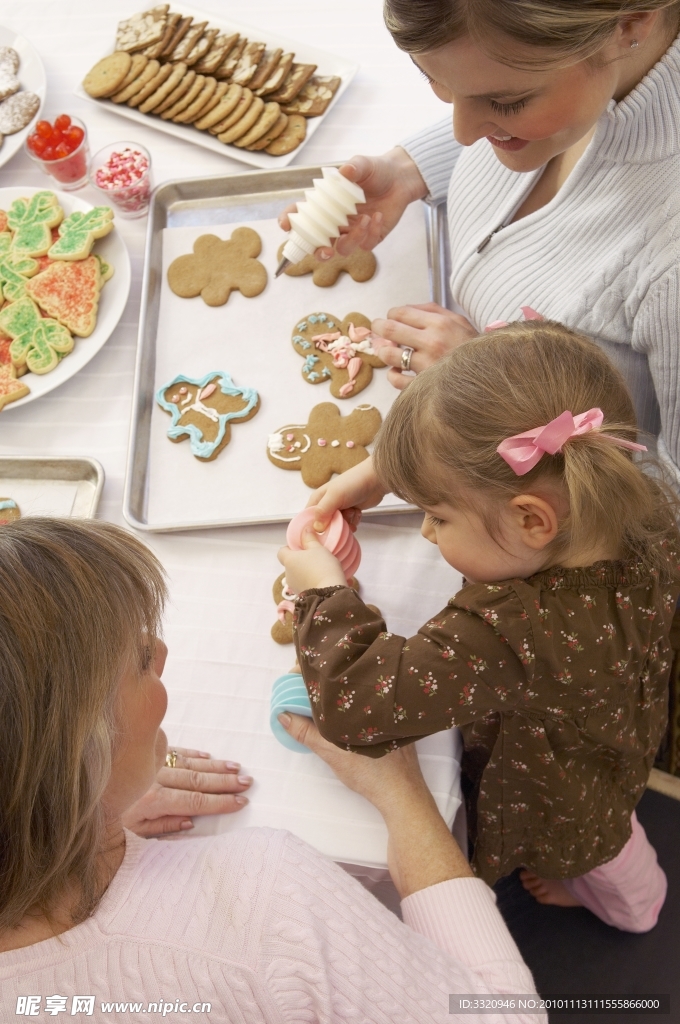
(439,443)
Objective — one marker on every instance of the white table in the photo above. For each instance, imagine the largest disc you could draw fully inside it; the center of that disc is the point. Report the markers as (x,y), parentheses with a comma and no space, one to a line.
(222,662)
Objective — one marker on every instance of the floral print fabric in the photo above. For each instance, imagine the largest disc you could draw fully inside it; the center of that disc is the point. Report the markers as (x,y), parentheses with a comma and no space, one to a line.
(558,684)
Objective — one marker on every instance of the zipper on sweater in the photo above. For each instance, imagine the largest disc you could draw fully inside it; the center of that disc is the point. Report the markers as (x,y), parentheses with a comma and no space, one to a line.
(509,219)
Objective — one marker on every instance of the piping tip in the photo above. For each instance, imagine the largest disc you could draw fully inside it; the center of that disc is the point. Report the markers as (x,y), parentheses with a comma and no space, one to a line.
(282,266)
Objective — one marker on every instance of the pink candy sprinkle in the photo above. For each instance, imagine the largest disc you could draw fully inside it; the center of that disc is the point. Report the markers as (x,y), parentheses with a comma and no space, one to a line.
(290,437)
(350,444)
(125,175)
(321,443)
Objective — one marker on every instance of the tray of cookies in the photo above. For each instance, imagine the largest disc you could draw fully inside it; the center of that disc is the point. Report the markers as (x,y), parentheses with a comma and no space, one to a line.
(36,485)
(218,83)
(249,389)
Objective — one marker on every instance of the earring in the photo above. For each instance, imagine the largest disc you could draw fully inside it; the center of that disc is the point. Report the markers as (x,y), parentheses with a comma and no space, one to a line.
(634,44)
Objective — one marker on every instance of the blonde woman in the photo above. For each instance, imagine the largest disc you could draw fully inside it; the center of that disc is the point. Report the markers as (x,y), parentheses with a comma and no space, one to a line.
(250,927)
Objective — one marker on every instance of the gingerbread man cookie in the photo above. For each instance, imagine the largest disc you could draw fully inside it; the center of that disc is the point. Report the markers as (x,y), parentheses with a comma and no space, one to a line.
(216,268)
(203,410)
(360,265)
(328,443)
(282,630)
(339,351)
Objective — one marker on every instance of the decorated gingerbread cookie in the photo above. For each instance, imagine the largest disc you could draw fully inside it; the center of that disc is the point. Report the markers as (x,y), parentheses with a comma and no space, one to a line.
(360,265)
(328,443)
(9,511)
(337,351)
(282,630)
(203,410)
(216,268)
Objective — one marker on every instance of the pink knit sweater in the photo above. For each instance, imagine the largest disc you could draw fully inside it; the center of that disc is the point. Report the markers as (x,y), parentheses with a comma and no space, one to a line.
(265,929)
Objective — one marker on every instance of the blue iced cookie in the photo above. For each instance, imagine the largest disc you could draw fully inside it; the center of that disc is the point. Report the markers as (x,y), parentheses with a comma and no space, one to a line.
(204,410)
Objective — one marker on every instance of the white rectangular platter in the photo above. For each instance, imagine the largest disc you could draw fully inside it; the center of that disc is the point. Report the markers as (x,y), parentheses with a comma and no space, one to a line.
(327,64)
(167,488)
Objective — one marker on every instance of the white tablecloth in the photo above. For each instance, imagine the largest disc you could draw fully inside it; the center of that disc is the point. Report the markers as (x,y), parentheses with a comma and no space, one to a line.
(221,661)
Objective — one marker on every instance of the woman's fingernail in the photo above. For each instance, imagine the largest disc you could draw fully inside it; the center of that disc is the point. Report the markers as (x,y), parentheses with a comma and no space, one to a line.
(186,825)
(233,766)
(326,254)
(241,800)
(245,780)
(285,720)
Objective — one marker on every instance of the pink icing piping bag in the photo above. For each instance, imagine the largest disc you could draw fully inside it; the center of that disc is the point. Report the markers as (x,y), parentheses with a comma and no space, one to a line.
(337,538)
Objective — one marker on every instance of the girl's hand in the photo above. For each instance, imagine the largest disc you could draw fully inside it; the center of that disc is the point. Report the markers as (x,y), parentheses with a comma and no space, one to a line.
(430,330)
(196,785)
(312,567)
(390,182)
(355,489)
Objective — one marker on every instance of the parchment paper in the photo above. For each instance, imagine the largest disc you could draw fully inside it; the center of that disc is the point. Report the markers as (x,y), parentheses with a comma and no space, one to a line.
(251,340)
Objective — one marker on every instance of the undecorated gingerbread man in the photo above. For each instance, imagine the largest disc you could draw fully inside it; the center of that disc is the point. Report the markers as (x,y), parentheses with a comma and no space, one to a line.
(216,268)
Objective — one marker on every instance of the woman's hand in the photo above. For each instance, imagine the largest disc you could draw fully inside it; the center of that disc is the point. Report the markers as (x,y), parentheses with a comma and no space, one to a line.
(350,492)
(430,330)
(312,567)
(420,850)
(390,182)
(196,785)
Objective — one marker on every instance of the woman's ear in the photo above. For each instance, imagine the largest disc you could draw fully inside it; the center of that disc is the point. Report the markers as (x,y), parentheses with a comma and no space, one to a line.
(636,28)
(533,521)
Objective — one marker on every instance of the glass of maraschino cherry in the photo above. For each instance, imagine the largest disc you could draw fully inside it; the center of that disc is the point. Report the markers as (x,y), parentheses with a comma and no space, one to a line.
(61,150)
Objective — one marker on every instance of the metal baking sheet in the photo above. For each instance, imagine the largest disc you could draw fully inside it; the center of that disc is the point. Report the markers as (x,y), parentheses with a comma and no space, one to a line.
(52,486)
(198,202)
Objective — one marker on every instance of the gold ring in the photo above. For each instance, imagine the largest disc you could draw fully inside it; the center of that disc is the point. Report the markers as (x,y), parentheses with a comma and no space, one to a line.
(406,359)
(171,759)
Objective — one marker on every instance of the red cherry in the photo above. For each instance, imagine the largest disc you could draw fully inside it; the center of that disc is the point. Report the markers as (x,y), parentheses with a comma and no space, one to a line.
(56,137)
(48,153)
(31,142)
(61,150)
(75,135)
(39,145)
(62,122)
(44,129)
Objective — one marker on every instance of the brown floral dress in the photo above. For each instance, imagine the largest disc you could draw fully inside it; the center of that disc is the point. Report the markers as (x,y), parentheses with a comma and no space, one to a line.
(558,683)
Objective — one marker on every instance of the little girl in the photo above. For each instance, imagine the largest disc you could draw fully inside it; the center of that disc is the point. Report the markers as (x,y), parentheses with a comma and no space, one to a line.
(554,658)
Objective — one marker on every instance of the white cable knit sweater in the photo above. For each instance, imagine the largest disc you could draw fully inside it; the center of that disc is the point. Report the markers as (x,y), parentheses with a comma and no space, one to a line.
(603,257)
(268,931)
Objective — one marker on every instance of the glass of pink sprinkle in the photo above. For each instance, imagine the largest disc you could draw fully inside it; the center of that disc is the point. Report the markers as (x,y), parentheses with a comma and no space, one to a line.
(121,172)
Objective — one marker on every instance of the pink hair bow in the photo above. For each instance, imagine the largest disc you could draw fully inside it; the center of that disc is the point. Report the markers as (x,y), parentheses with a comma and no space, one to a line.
(523,451)
(529,314)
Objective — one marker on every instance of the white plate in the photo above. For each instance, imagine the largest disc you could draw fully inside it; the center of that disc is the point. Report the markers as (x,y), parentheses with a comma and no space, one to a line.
(111,304)
(31,74)
(328,64)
